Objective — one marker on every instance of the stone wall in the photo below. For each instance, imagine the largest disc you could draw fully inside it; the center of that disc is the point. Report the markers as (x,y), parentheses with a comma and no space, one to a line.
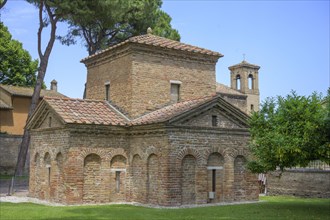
(303,183)
(9,148)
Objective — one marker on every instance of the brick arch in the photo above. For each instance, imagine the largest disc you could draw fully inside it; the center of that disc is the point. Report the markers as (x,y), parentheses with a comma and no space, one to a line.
(59,151)
(153,178)
(190,151)
(92,178)
(47,158)
(230,154)
(59,157)
(98,151)
(135,152)
(240,152)
(36,158)
(149,151)
(212,150)
(240,178)
(188,179)
(138,178)
(116,152)
(118,161)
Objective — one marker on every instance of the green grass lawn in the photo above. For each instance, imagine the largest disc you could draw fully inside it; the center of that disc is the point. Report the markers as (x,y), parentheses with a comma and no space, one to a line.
(271,208)
(8,177)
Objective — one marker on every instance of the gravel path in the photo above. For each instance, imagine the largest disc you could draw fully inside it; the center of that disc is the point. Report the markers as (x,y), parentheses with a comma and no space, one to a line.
(21,199)
(21,195)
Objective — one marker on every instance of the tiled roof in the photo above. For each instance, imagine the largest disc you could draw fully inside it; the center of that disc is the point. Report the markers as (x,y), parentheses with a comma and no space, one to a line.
(3,105)
(227,90)
(244,64)
(168,112)
(153,40)
(27,91)
(83,111)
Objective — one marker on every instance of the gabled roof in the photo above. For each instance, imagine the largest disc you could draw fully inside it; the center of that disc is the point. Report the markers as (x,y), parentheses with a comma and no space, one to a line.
(80,111)
(83,111)
(183,109)
(161,42)
(220,88)
(28,91)
(170,111)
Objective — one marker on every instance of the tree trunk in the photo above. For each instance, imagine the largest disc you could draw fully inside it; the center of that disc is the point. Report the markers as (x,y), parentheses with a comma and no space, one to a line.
(21,160)
(44,57)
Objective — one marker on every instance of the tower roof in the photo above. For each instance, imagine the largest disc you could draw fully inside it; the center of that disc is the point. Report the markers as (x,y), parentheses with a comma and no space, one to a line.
(244,64)
(160,42)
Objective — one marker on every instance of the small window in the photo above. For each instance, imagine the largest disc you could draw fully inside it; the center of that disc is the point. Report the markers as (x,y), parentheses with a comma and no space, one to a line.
(214,121)
(107,92)
(252,107)
(117,181)
(213,180)
(175,92)
(50,122)
(48,174)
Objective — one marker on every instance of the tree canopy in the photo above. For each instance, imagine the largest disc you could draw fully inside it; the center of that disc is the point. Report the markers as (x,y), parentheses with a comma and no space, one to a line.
(2,3)
(102,23)
(290,131)
(16,65)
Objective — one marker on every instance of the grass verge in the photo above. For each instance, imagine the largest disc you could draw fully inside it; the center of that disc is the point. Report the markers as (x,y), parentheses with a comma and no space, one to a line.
(278,207)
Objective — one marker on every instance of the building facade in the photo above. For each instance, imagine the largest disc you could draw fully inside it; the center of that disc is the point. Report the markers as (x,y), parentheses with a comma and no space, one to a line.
(155,128)
(14,107)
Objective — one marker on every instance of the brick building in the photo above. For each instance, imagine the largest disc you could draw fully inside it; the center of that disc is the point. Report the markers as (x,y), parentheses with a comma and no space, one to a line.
(155,128)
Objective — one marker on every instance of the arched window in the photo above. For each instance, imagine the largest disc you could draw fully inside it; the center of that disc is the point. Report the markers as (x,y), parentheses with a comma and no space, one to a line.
(48,166)
(250,81)
(238,82)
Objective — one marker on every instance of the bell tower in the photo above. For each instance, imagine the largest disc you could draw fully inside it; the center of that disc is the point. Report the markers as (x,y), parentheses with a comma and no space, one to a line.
(244,78)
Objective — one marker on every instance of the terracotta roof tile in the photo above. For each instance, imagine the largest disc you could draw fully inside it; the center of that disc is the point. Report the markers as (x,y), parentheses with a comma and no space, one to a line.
(153,40)
(28,91)
(220,88)
(83,111)
(168,112)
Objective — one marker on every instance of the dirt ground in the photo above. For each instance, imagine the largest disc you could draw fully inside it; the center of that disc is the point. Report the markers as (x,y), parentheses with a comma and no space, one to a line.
(20,188)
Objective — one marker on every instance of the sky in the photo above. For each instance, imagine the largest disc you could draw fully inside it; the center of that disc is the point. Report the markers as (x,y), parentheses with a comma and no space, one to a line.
(289,40)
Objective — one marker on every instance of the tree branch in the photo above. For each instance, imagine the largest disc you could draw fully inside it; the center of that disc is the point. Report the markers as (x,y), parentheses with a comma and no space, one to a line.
(41,26)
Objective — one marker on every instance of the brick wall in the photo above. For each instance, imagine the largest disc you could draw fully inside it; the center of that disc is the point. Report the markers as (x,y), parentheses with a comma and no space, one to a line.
(117,71)
(9,149)
(304,183)
(140,78)
(158,165)
(152,75)
(240,101)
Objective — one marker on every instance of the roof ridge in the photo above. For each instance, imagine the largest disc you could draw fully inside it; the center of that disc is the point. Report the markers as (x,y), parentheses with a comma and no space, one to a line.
(202,100)
(72,99)
(117,111)
(158,41)
(25,87)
